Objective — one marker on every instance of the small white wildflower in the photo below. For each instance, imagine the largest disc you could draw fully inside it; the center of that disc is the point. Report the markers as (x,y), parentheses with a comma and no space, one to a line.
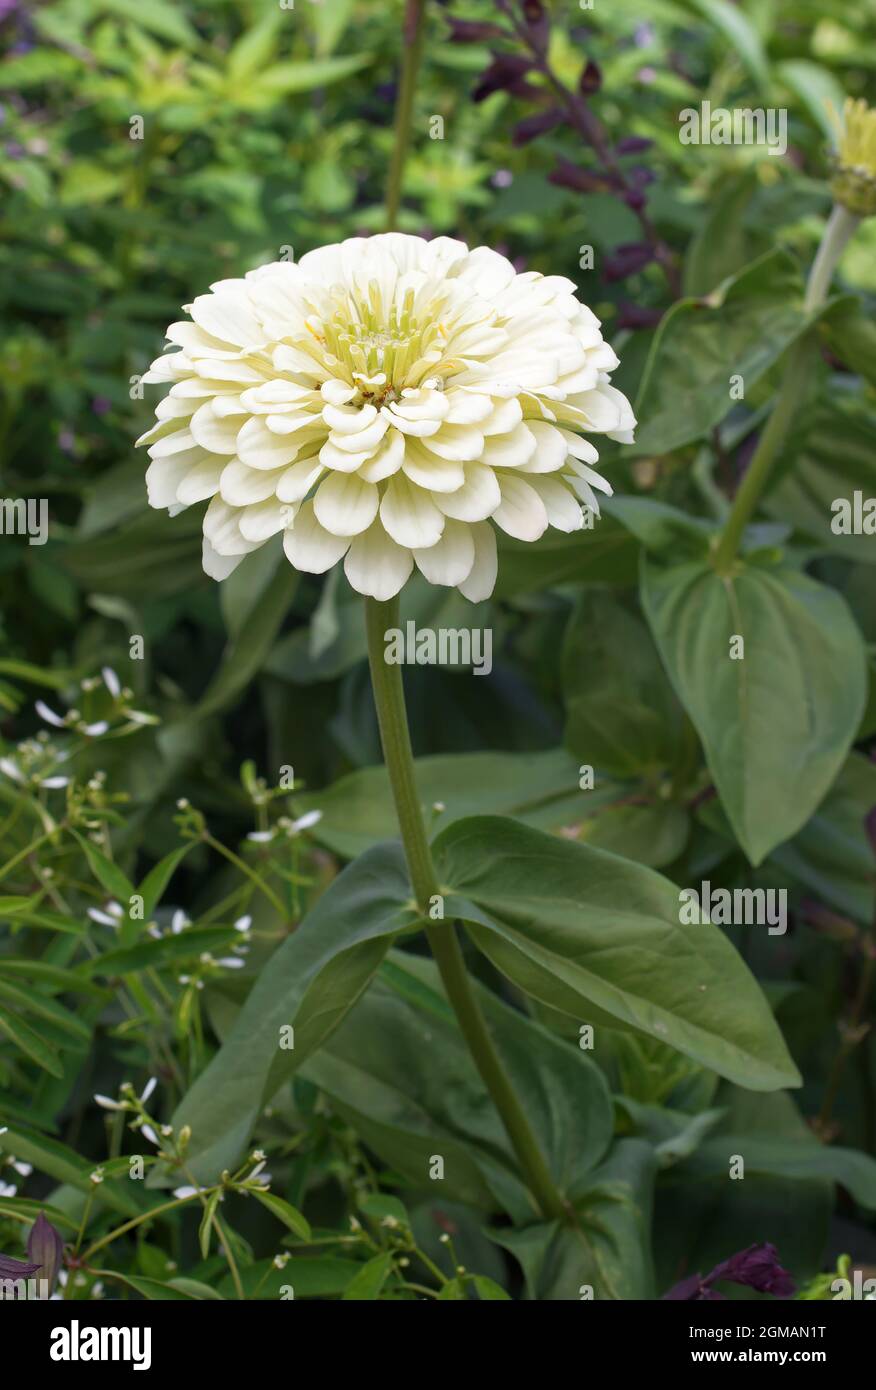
(111,681)
(106,1103)
(48,715)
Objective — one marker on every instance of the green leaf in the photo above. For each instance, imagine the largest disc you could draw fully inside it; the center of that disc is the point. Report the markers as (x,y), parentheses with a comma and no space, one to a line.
(44,1007)
(599,938)
(654,833)
(30,1043)
(831,855)
(777,724)
(823,464)
(65,1166)
(248,650)
(819,91)
(722,245)
(605,555)
(309,983)
(205,1229)
(286,78)
(285,1212)
(358,811)
(159,951)
(790,1158)
(153,1289)
(370,1279)
(156,17)
(108,874)
(400,1072)
(737,29)
(741,329)
(850,333)
(152,888)
(622,714)
(606,1254)
(255,47)
(320,1276)
(488,1290)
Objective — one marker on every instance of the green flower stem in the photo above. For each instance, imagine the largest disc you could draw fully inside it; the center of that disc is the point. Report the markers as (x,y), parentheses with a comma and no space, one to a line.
(413,48)
(840,227)
(389,698)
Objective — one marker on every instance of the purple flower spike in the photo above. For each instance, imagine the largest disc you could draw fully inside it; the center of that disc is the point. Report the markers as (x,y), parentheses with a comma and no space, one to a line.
(757,1268)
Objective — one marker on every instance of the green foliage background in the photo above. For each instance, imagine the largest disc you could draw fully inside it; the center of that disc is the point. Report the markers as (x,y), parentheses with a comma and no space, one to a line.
(268,131)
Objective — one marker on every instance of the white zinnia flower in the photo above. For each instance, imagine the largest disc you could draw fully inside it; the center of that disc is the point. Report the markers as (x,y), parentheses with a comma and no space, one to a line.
(384,400)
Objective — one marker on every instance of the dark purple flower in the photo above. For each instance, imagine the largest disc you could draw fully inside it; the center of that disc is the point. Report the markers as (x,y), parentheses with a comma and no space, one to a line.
(635,199)
(692,1290)
(633,144)
(757,1268)
(473,30)
(640,316)
(535,17)
(15,1269)
(45,1245)
(627,260)
(532,126)
(590,80)
(101,405)
(568,175)
(506,73)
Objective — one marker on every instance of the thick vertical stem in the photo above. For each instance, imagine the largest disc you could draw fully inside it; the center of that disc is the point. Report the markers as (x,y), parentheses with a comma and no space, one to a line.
(413,48)
(389,698)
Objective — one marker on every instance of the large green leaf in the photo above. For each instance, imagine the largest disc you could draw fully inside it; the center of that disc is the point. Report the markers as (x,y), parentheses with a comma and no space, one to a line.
(599,938)
(778,723)
(829,460)
(622,714)
(399,1070)
(607,554)
(606,1254)
(832,855)
(741,329)
(310,982)
(540,788)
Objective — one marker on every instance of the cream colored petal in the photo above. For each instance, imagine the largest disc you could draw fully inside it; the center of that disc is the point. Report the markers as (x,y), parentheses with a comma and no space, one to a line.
(509,450)
(200,482)
(345,505)
(375,565)
(259,447)
(563,509)
(478,497)
(450,560)
(551,449)
(240,486)
(339,459)
(409,514)
(386,461)
(482,578)
(521,513)
(459,442)
(163,477)
(264,519)
(219,436)
(218,566)
(297,480)
(309,546)
(431,472)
